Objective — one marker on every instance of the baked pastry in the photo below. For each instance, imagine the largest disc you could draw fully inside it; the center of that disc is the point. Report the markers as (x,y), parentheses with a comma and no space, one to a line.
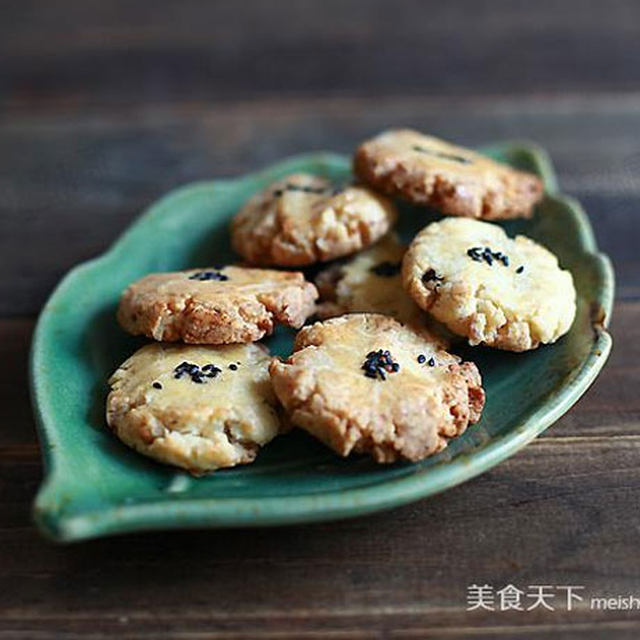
(459,182)
(200,408)
(366,383)
(303,219)
(371,281)
(495,290)
(217,305)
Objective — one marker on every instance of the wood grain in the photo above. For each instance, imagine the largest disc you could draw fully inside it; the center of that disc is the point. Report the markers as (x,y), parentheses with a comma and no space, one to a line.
(400,574)
(610,408)
(86,53)
(106,106)
(397,574)
(407,569)
(75,182)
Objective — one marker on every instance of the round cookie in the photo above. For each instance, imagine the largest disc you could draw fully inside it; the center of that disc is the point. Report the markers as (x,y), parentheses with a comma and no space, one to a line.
(303,219)
(219,305)
(200,408)
(368,384)
(371,282)
(427,171)
(505,293)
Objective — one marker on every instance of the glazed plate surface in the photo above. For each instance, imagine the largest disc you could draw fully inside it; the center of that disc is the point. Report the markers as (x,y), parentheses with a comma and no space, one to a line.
(95,486)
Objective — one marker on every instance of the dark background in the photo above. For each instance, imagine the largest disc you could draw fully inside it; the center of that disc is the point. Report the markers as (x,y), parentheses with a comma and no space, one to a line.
(104,106)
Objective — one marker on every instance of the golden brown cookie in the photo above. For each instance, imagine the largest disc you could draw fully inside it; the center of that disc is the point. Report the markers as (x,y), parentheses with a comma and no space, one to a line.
(427,171)
(371,282)
(366,383)
(218,305)
(502,292)
(200,408)
(303,219)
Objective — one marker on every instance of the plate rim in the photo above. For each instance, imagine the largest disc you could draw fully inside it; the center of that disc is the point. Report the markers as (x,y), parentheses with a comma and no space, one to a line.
(234,512)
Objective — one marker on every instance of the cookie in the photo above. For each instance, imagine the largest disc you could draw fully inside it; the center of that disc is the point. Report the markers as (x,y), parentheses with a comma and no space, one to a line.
(200,408)
(371,282)
(218,305)
(502,292)
(427,171)
(303,219)
(366,383)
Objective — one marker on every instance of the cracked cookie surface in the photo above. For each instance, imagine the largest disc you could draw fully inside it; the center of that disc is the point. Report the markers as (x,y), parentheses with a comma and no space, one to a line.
(219,305)
(366,383)
(428,171)
(371,282)
(303,219)
(200,408)
(502,292)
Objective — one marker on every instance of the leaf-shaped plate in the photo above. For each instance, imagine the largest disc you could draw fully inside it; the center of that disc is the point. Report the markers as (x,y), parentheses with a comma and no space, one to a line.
(94,485)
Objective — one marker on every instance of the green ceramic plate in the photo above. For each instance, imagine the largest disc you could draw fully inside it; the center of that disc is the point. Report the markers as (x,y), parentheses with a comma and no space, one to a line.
(95,486)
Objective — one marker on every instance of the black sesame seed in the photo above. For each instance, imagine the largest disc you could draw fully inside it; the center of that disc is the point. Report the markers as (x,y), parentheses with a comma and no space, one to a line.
(157,385)
(209,275)
(432,362)
(442,154)
(480,254)
(487,256)
(196,373)
(378,364)
(520,269)
(431,276)
(422,358)
(210,370)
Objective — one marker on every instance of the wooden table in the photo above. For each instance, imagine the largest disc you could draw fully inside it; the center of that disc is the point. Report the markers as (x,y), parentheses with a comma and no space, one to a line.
(106,106)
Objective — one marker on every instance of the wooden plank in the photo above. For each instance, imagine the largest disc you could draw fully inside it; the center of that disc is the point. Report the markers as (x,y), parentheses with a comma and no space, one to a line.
(395,574)
(71,183)
(81,53)
(610,408)
(17,419)
(105,106)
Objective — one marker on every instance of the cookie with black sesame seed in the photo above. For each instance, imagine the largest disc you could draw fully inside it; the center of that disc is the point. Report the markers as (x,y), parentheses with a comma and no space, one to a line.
(371,282)
(303,219)
(508,293)
(218,305)
(200,408)
(365,383)
(428,171)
